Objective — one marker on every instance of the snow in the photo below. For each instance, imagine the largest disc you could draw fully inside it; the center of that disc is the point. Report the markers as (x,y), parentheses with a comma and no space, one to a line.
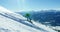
(12,22)
(12,25)
(43,26)
(55,28)
(3,10)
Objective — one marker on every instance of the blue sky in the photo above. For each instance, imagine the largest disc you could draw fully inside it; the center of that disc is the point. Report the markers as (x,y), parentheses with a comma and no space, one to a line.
(20,5)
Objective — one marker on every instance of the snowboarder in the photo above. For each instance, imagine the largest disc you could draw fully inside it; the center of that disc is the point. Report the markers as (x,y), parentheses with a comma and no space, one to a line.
(28,17)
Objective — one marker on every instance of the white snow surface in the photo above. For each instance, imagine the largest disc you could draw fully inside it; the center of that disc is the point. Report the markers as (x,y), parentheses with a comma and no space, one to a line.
(9,24)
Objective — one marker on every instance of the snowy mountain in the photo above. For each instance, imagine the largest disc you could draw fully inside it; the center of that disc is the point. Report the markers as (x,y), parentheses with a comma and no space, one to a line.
(13,22)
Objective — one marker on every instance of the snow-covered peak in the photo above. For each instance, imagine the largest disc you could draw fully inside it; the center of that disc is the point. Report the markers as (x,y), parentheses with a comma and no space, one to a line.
(3,9)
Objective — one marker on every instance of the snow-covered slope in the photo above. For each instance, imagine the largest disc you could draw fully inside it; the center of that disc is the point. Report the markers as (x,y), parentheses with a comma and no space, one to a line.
(12,22)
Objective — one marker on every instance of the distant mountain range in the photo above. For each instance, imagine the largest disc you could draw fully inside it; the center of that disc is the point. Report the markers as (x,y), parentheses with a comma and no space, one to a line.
(47,17)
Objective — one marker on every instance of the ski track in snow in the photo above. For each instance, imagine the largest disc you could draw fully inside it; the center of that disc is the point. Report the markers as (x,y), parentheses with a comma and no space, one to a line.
(13,25)
(22,21)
